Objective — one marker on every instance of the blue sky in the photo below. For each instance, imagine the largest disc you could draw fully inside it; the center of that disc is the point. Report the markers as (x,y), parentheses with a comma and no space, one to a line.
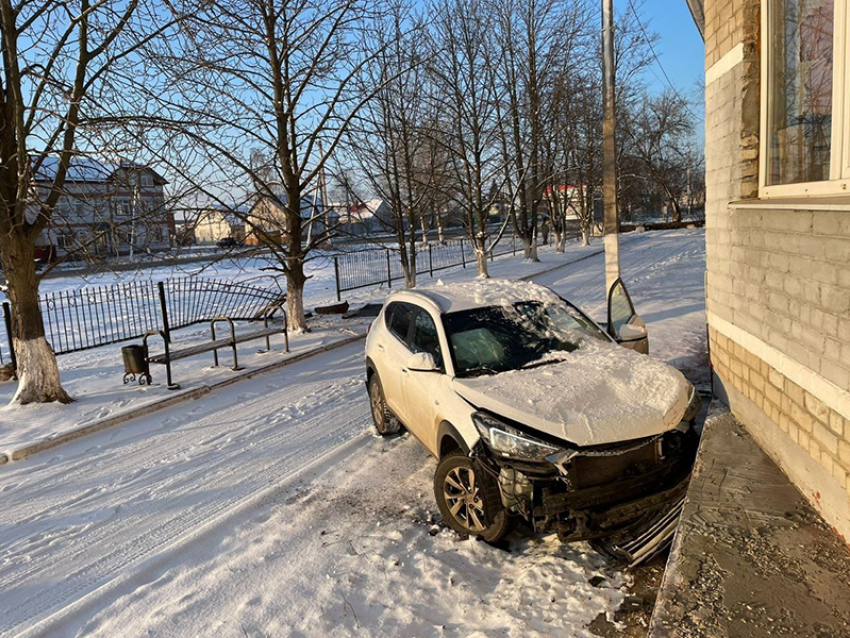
(679,48)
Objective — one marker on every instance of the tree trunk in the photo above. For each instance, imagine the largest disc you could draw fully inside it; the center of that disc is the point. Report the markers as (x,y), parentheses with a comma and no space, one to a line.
(677,210)
(441,234)
(38,372)
(481,258)
(295,281)
(561,242)
(424,231)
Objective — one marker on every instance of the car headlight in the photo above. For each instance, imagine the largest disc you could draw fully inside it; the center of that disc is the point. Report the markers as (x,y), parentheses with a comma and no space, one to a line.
(508,441)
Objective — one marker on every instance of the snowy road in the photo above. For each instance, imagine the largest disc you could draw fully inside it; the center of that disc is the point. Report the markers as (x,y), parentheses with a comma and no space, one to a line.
(270,509)
(141,489)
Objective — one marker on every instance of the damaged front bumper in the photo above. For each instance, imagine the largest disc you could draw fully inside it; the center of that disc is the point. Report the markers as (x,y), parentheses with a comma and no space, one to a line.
(605,492)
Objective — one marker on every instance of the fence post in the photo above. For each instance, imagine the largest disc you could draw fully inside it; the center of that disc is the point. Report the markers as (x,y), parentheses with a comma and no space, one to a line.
(430,262)
(163,310)
(336,276)
(462,254)
(389,271)
(7,319)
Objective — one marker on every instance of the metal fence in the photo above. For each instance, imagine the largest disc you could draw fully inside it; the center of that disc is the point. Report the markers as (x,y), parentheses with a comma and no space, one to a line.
(100,315)
(383,266)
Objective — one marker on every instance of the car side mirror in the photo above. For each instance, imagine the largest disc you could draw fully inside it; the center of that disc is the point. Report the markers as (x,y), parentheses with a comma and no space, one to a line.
(631,332)
(422,362)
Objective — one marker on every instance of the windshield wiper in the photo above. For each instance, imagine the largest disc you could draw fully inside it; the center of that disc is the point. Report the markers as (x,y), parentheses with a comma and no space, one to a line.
(474,372)
(538,363)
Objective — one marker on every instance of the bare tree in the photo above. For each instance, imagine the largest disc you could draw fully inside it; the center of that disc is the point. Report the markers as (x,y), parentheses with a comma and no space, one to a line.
(274,80)
(659,130)
(390,137)
(464,69)
(62,64)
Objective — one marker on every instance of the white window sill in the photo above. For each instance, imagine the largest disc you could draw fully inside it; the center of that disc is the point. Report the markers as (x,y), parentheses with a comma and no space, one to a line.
(835,203)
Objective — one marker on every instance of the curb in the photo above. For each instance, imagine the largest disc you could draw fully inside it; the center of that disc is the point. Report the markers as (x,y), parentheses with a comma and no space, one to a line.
(162,404)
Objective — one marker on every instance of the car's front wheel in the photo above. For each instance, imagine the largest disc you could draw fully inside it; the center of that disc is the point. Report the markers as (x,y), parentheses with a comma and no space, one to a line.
(385,421)
(468,498)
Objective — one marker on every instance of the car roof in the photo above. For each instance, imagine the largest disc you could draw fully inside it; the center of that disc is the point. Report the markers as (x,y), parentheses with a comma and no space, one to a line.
(455,297)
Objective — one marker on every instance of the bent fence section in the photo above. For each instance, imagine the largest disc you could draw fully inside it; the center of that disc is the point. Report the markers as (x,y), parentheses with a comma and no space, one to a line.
(100,315)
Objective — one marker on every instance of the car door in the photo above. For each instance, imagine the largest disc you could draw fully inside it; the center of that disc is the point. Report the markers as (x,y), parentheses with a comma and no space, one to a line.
(419,388)
(395,351)
(624,324)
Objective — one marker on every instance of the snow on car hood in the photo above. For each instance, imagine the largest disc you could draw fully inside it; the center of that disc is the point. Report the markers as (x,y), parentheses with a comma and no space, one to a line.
(598,394)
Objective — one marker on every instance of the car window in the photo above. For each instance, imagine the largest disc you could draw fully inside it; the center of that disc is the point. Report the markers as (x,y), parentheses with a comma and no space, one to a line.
(425,338)
(400,320)
(620,310)
(495,339)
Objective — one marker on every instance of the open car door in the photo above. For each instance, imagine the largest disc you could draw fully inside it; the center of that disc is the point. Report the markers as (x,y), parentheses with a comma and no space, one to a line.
(624,324)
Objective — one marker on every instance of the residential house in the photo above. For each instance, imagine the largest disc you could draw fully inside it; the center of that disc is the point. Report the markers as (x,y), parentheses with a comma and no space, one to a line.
(105,209)
(266,219)
(777,131)
(217,222)
(365,218)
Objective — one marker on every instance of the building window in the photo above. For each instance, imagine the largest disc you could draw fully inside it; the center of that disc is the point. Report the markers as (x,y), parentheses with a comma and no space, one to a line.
(147,180)
(804,109)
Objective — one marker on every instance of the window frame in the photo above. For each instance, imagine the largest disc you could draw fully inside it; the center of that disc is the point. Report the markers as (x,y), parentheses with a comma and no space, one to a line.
(839,165)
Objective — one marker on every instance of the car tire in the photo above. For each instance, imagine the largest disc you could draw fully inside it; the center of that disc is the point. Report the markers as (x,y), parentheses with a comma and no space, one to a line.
(385,421)
(466,510)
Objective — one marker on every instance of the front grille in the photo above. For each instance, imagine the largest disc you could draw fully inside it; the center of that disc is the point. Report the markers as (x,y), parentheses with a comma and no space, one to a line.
(592,471)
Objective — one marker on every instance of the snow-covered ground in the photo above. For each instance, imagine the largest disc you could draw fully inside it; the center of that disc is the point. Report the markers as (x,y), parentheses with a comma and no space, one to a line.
(94,377)
(270,509)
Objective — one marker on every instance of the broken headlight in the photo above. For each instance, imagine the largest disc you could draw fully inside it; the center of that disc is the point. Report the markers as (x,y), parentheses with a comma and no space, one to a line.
(507,441)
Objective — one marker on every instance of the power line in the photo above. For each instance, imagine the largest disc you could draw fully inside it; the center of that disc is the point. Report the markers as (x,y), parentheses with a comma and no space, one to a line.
(661,66)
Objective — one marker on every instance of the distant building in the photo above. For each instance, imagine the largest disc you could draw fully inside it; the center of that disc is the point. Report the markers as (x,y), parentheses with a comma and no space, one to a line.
(105,209)
(361,219)
(219,222)
(266,219)
(568,197)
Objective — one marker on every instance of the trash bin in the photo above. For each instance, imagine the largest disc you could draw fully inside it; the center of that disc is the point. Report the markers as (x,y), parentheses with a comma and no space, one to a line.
(135,363)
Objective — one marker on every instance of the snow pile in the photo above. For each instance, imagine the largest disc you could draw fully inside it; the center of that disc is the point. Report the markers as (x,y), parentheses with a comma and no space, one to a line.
(482,293)
(599,393)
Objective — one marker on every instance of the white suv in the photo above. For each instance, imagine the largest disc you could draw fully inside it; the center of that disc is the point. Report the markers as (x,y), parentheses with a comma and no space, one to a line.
(532,409)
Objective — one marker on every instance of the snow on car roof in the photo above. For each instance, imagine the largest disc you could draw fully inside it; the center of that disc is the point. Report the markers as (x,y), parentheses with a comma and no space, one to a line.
(482,293)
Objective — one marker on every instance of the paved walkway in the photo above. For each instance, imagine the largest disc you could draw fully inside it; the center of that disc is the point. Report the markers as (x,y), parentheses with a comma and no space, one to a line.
(751,557)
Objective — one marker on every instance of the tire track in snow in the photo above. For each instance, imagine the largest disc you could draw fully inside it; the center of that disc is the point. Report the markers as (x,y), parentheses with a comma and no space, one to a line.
(213,467)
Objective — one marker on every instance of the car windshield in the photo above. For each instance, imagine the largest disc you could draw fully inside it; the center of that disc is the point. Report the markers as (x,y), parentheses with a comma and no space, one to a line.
(528,333)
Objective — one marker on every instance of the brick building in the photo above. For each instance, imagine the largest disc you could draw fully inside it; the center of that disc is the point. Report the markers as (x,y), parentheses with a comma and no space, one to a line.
(777,93)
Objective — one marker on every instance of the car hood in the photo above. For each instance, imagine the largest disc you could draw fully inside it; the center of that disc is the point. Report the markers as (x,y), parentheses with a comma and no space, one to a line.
(596,395)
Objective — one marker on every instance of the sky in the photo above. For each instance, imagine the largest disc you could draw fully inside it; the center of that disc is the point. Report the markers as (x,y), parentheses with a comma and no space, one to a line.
(680,48)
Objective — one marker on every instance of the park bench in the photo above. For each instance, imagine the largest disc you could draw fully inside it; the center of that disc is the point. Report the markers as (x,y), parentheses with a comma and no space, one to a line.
(170,355)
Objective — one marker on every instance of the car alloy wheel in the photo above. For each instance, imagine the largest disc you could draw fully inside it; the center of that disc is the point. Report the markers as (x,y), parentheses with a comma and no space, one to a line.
(463,497)
(385,422)
(469,499)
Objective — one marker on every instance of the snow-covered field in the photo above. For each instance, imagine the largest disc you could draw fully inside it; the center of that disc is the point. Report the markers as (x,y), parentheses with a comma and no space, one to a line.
(270,509)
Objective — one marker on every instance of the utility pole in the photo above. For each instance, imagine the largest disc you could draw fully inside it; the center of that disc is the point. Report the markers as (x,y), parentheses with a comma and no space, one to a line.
(610,221)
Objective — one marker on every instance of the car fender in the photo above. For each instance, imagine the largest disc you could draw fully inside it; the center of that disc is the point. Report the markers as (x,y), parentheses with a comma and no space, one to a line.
(447,430)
